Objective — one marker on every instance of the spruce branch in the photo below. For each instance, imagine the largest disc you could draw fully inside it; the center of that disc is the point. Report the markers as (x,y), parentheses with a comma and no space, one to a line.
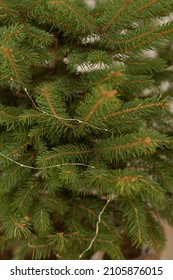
(140,107)
(86,156)
(115,17)
(73,9)
(6,7)
(54,115)
(136,221)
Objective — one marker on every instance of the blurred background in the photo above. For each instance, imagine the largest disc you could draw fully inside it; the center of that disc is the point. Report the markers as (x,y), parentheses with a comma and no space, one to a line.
(168,252)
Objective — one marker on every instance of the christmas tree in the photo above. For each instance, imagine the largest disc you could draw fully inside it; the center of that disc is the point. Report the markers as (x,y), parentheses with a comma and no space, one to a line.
(85,155)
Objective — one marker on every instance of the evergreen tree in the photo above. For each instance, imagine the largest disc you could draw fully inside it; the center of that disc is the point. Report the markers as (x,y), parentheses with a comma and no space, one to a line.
(85,155)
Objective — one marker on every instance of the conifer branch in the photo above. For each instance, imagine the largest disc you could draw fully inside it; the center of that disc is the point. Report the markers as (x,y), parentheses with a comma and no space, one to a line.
(74,137)
(17,149)
(8,55)
(15,33)
(57,22)
(3,113)
(148,4)
(137,220)
(31,115)
(45,91)
(75,13)
(92,111)
(25,197)
(150,185)
(133,109)
(138,142)
(35,3)
(6,7)
(115,17)
(80,122)
(152,40)
(67,153)
(131,38)
(104,94)
(36,246)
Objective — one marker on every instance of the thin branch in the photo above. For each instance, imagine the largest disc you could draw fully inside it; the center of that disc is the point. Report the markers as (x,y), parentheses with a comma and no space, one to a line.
(48,167)
(115,17)
(97,229)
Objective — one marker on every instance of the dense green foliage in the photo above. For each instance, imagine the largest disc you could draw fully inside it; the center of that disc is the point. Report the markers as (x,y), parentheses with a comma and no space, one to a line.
(85,155)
